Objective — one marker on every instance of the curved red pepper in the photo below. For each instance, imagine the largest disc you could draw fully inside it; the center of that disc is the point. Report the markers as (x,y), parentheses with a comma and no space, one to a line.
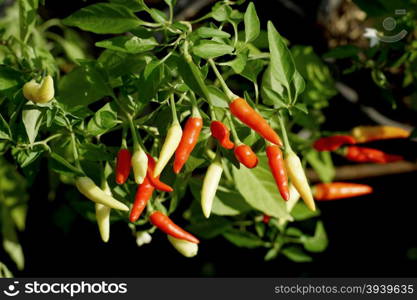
(143,194)
(332,143)
(158,184)
(165,224)
(189,139)
(362,154)
(277,166)
(245,155)
(123,165)
(251,118)
(221,133)
(340,190)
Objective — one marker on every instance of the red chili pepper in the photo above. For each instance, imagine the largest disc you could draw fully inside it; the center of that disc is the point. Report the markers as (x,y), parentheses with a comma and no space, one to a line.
(340,190)
(251,118)
(158,184)
(332,143)
(362,154)
(277,166)
(189,139)
(266,219)
(143,194)
(221,133)
(123,165)
(245,155)
(164,223)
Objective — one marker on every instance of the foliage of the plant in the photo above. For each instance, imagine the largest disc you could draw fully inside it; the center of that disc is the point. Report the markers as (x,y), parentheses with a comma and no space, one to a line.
(135,74)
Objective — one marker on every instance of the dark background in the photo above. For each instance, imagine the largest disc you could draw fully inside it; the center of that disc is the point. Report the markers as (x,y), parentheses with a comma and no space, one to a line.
(369,236)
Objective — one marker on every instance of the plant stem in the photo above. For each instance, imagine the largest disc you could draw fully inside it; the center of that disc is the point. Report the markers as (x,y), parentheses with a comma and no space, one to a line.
(171,13)
(173,109)
(136,145)
(233,129)
(124,136)
(195,112)
(236,34)
(75,151)
(255,85)
(225,88)
(284,133)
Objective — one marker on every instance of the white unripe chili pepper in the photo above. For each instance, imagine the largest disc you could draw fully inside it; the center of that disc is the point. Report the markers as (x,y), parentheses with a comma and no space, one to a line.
(210,185)
(89,189)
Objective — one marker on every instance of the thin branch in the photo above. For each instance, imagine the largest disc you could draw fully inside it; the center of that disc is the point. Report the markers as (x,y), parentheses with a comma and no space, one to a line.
(367,170)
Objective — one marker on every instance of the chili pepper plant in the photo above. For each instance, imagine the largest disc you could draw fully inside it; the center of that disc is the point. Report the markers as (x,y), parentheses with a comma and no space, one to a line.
(163,114)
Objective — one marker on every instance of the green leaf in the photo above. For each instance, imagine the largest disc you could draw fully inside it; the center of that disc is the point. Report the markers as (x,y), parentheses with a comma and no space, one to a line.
(5,132)
(292,231)
(272,253)
(134,5)
(282,64)
(83,86)
(132,44)
(94,152)
(103,18)
(211,49)
(62,166)
(104,119)
(319,84)
(150,81)
(25,157)
(10,240)
(252,24)
(210,228)
(238,64)
(301,212)
(13,193)
(28,13)
(220,12)
(218,98)
(295,254)
(243,239)
(158,16)
(193,77)
(258,188)
(252,69)
(322,163)
(32,117)
(119,63)
(10,81)
(273,98)
(272,91)
(299,83)
(208,32)
(318,242)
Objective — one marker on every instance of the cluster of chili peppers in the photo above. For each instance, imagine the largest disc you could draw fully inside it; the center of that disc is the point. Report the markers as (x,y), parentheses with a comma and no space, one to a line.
(179,143)
(346,144)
